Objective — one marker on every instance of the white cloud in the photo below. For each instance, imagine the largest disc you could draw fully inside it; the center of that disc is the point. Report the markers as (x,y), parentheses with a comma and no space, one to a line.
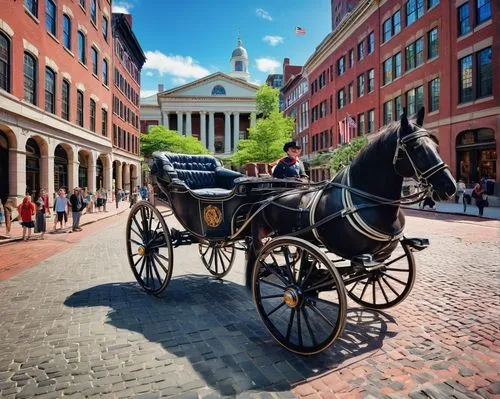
(149,73)
(273,40)
(121,7)
(179,81)
(147,93)
(176,65)
(263,14)
(267,65)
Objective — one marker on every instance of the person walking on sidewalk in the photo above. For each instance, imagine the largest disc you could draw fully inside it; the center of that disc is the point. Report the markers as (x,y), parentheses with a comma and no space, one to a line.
(77,204)
(26,212)
(480,197)
(61,209)
(42,208)
(117,196)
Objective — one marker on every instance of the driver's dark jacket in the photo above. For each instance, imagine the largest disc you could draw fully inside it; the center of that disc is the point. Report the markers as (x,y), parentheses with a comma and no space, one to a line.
(289,167)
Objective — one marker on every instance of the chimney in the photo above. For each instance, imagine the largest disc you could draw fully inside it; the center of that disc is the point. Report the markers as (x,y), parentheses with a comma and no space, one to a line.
(286,62)
(160,87)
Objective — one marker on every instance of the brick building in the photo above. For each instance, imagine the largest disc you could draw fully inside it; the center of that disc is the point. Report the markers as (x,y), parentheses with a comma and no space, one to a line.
(56,96)
(384,56)
(128,59)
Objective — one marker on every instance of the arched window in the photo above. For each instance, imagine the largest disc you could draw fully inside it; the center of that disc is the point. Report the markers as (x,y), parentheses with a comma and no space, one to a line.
(67,31)
(93,12)
(65,87)
(218,91)
(92,110)
(30,85)
(50,16)
(238,66)
(81,48)
(50,91)
(79,108)
(105,71)
(4,62)
(32,7)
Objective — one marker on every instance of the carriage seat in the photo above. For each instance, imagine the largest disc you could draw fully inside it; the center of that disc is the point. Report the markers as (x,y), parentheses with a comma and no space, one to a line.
(202,174)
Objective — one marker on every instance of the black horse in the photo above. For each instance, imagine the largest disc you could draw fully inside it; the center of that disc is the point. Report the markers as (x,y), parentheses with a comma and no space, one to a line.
(358,212)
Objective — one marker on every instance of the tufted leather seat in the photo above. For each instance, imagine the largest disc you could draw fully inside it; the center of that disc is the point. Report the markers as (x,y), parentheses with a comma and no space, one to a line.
(200,173)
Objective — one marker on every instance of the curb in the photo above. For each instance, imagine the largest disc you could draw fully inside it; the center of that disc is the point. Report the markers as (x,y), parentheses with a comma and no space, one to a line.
(449,213)
(11,240)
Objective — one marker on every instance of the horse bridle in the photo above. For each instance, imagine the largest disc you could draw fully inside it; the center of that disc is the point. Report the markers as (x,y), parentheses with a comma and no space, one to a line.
(402,144)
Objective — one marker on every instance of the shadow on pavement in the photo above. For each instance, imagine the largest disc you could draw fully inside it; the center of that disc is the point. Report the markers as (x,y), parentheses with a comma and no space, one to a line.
(434,215)
(215,326)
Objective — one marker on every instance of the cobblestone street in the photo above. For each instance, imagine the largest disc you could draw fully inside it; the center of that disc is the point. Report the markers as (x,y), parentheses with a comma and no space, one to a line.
(77,324)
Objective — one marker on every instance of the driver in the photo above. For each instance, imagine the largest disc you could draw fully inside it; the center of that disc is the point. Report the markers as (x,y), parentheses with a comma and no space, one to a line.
(290,166)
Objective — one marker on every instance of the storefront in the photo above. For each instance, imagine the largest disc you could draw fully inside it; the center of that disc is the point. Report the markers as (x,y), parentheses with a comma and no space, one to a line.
(476,155)
(32,167)
(4,167)
(60,169)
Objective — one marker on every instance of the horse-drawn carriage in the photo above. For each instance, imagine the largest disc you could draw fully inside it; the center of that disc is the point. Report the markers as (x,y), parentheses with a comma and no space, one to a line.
(307,246)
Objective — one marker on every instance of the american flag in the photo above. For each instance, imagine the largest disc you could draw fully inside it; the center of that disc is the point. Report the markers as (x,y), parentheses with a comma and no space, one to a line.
(300,31)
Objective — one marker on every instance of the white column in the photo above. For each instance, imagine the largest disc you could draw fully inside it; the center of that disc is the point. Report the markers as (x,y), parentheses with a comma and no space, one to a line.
(203,128)
(227,133)
(108,179)
(118,174)
(91,175)
(211,131)
(165,119)
(236,132)
(189,130)
(253,119)
(126,177)
(73,174)
(17,174)
(179,122)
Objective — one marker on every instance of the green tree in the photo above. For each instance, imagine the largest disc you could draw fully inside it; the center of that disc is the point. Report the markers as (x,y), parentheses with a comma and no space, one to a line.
(267,100)
(344,155)
(161,139)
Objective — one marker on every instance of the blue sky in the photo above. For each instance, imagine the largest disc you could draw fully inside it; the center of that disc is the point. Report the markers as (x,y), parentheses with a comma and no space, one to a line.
(186,40)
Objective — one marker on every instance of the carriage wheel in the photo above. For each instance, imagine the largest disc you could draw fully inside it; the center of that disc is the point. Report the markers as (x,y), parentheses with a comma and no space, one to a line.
(387,286)
(217,257)
(299,295)
(149,247)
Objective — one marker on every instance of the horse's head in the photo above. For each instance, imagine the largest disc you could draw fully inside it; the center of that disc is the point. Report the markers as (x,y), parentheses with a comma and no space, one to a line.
(417,157)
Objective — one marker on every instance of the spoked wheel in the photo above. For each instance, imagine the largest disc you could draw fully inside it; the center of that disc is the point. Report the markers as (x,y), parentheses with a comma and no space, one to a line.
(386,286)
(149,247)
(217,257)
(299,295)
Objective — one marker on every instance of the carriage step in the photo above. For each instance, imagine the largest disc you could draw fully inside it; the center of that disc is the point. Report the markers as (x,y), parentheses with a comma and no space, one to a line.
(416,243)
(365,262)
(180,237)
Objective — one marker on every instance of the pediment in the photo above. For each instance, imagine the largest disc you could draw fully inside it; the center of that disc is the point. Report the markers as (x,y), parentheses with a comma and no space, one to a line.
(217,85)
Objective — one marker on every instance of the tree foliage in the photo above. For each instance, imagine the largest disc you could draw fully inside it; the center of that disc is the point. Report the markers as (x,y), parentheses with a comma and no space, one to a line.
(161,139)
(344,155)
(267,100)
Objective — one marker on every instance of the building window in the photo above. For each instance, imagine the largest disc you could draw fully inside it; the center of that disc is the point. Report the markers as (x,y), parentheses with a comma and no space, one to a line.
(65,99)
(398,107)
(410,102)
(50,16)
(419,50)
(387,112)
(341,66)
(433,43)
(371,120)
(361,124)
(465,79)
(81,48)
(414,11)
(105,27)
(32,7)
(371,43)
(484,73)
(4,62)
(463,19)
(434,95)
(30,86)
(94,61)
(483,11)
(414,54)
(341,99)
(350,92)
(432,3)
(419,98)
(67,32)
(386,30)
(371,80)
(79,108)
(83,4)
(396,23)
(397,65)
(361,50)
(105,72)
(93,12)
(50,91)
(351,58)
(387,68)
(92,115)
(218,90)
(361,85)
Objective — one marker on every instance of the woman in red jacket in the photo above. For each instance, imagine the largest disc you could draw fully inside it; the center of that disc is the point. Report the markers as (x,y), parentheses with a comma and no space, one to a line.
(26,212)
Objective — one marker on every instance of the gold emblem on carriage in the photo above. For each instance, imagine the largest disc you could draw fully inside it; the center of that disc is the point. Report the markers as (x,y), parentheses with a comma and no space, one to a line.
(212,216)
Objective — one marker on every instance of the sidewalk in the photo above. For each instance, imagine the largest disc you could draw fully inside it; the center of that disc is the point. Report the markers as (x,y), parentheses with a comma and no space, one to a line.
(490,212)
(16,232)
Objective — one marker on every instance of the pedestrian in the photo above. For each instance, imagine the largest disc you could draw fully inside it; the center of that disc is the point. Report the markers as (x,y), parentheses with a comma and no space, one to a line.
(151,194)
(42,208)
(290,166)
(134,196)
(144,192)
(60,208)
(98,200)
(104,198)
(480,197)
(459,196)
(26,212)
(117,196)
(8,208)
(77,204)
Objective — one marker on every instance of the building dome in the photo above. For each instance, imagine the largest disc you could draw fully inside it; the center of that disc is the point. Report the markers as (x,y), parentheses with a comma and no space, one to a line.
(239,51)
(239,62)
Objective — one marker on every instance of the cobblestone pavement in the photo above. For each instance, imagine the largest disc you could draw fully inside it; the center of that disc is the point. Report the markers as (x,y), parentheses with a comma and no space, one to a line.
(78,325)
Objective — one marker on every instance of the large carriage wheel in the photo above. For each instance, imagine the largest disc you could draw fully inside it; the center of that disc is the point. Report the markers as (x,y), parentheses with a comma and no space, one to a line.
(299,295)
(149,247)
(217,257)
(386,286)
